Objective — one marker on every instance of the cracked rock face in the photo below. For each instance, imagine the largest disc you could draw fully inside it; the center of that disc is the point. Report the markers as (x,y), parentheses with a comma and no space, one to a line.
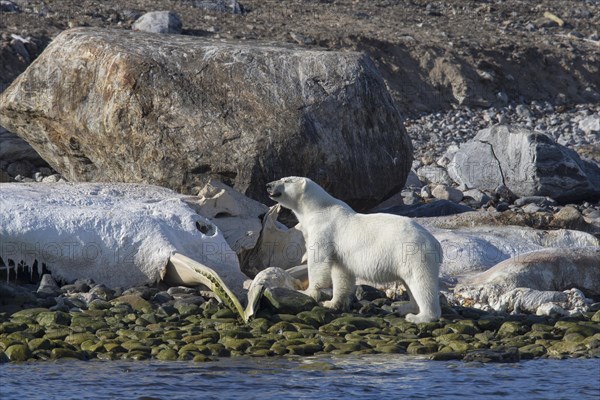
(529,163)
(112,105)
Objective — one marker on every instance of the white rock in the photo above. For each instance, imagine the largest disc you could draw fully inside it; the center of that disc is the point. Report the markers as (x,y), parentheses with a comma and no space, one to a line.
(158,22)
(51,179)
(590,124)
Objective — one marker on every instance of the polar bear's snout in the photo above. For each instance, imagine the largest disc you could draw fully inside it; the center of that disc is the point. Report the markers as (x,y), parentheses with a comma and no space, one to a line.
(272,190)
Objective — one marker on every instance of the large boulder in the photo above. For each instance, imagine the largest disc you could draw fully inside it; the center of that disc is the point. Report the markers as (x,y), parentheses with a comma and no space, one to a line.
(113,105)
(529,163)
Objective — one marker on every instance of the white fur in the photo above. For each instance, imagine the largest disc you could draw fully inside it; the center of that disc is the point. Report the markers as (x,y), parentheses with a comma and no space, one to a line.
(343,245)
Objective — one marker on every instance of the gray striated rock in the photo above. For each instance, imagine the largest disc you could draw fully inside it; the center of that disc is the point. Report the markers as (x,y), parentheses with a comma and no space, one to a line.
(529,163)
(178,111)
(158,22)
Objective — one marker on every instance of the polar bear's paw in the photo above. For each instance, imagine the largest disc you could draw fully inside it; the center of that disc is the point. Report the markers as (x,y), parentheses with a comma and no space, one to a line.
(335,305)
(419,318)
(406,308)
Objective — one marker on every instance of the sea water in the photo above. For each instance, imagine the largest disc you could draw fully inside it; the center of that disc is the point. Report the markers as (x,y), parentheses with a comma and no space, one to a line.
(347,377)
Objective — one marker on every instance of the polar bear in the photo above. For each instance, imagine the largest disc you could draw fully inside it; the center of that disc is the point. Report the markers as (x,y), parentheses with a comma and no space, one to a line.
(343,245)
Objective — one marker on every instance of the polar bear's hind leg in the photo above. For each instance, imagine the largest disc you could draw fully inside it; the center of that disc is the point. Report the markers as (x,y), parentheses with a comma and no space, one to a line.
(428,301)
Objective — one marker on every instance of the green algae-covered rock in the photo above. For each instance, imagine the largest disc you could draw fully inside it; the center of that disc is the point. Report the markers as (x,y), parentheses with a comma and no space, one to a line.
(511,328)
(560,348)
(502,355)
(27,314)
(40,344)
(53,318)
(167,355)
(418,348)
(136,302)
(235,344)
(532,351)
(459,346)
(390,348)
(10,327)
(18,352)
(358,322)
(287,301)
(57,333)
(281,327)
(78,338)
(58,353)
(307,349)
(446,356)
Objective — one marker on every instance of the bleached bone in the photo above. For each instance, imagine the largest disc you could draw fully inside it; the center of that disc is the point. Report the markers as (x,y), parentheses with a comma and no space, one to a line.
(237,216)
(116,234)
(278,246)
(182,270)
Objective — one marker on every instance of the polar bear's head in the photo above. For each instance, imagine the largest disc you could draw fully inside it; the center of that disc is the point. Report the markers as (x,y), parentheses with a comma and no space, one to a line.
(288,191)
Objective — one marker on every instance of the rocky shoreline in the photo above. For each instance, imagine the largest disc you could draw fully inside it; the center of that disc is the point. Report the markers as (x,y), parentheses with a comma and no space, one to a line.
(448,89)
(89,321)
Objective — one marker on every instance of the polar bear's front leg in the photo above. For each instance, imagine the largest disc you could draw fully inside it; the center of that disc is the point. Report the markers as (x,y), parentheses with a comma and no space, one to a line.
(319,277)
(343,286)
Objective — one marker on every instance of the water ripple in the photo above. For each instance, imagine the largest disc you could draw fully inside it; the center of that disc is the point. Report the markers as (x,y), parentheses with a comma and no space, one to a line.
(365,377)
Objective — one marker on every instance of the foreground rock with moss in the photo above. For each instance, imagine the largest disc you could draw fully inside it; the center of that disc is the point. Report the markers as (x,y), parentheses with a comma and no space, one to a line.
(189,328)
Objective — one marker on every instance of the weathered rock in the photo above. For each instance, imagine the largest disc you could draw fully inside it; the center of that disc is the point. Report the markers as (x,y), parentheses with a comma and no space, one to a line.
(529,163)
(434,174)
(479,198)
(158,22)
(112,105)
(445,192)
